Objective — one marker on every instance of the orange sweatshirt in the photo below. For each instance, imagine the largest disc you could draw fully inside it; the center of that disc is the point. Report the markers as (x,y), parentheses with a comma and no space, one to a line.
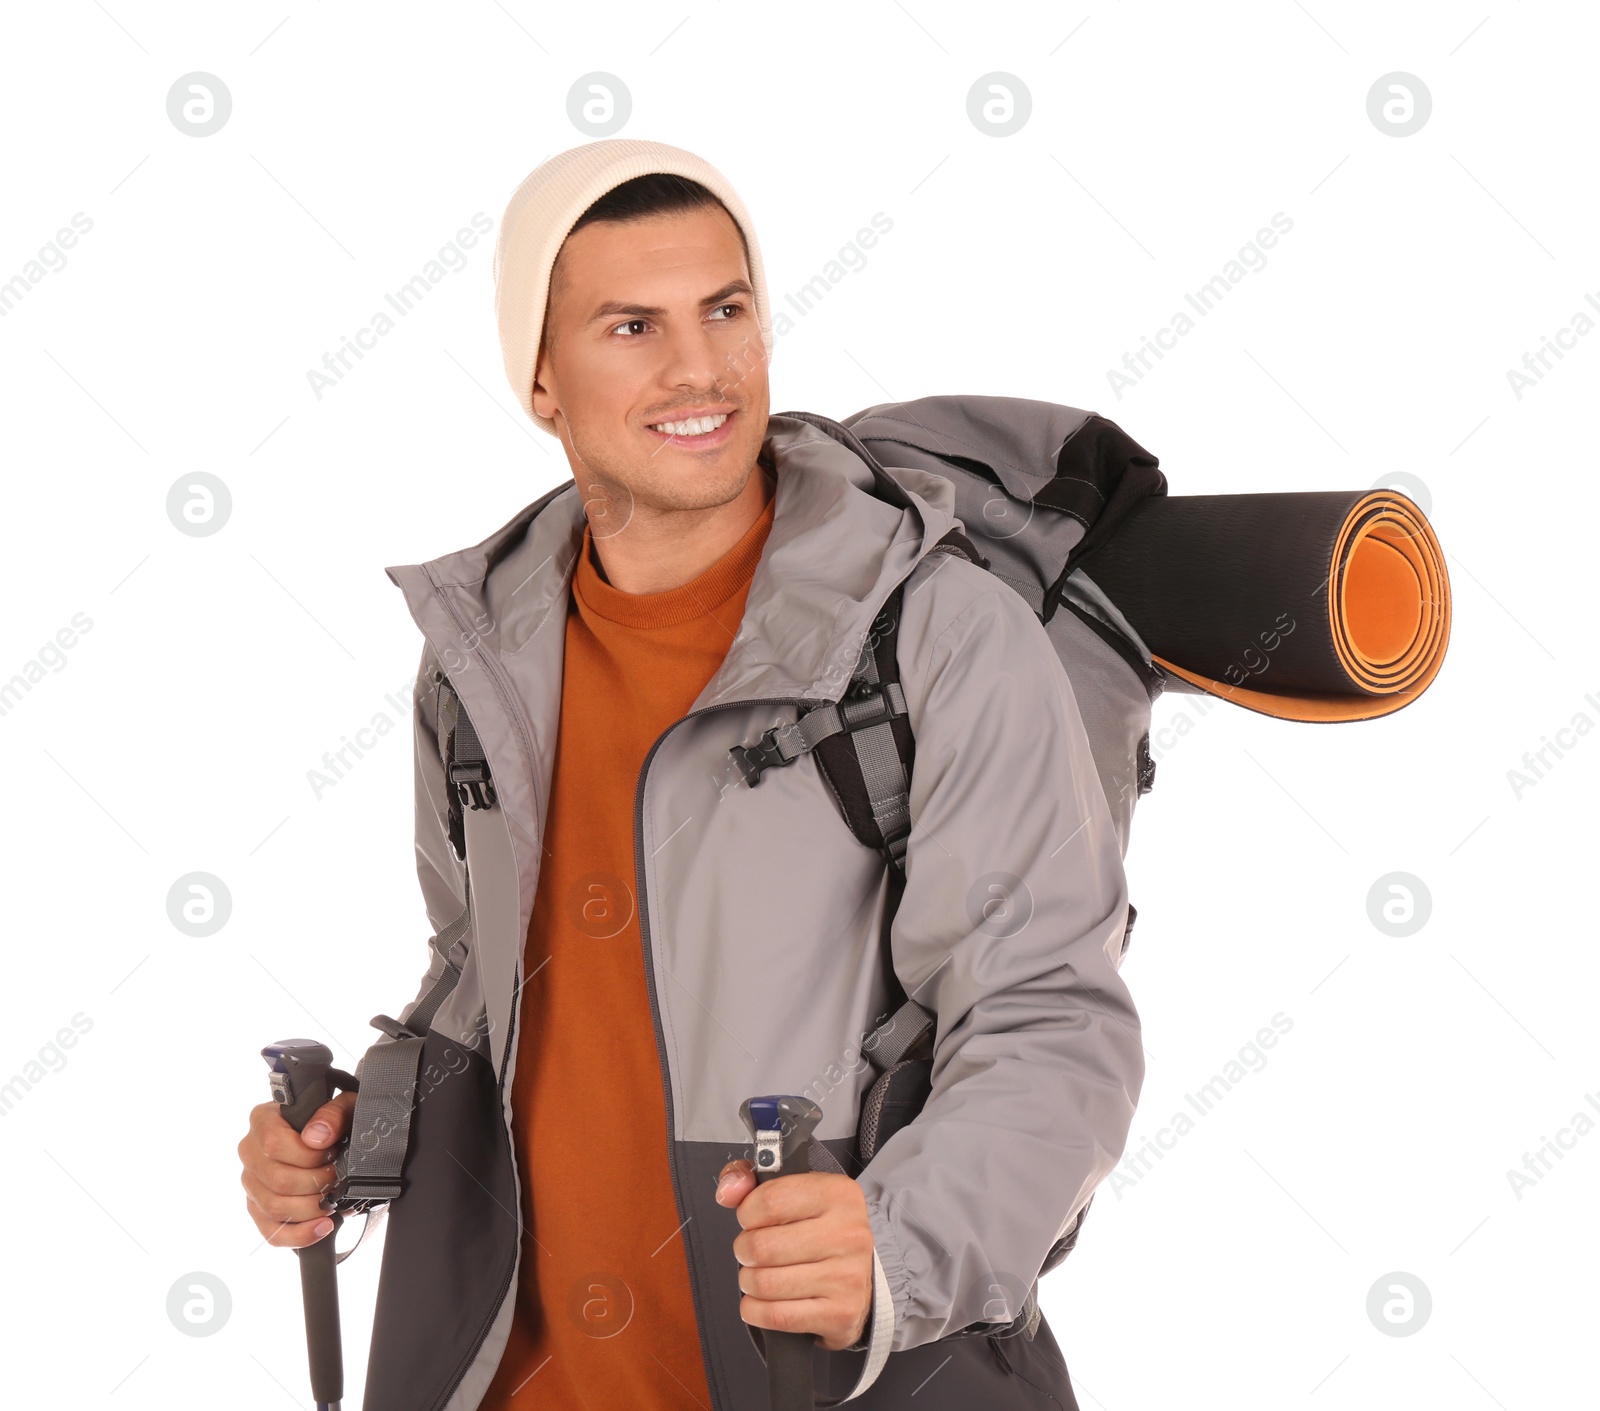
(604,1315)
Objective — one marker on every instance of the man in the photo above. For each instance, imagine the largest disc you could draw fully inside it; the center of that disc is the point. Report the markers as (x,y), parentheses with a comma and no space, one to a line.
(652,940)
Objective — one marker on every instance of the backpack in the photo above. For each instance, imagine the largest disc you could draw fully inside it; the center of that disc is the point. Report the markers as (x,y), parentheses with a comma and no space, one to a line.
(1035,535)
(1031,516)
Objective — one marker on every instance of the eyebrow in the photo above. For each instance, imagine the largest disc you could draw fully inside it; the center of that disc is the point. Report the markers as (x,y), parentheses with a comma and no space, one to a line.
(612,308)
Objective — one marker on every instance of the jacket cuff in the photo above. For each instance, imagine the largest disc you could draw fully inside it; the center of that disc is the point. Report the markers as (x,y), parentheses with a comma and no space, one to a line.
(891,1280)
(879,1331)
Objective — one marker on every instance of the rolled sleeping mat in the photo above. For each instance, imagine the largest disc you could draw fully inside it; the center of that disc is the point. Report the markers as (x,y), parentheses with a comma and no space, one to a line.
(1307,605)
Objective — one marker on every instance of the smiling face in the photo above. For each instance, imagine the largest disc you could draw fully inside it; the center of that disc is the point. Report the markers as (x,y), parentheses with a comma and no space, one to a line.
(652,365)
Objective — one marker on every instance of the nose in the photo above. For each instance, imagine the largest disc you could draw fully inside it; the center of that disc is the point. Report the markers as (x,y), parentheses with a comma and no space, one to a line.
(693,355)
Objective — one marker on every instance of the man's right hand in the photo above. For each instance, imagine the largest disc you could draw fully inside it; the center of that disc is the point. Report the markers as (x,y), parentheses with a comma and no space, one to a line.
(287,1173)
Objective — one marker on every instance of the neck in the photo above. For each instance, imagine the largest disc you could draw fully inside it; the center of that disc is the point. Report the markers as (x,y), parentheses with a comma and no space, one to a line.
(664,550)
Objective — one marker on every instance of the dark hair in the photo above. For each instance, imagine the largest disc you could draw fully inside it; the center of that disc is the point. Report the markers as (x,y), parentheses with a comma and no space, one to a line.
(654,194)
(657,193)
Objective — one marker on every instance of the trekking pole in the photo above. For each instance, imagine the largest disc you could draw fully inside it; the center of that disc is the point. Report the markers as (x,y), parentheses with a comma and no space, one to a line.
(302,1080)
(781,1129)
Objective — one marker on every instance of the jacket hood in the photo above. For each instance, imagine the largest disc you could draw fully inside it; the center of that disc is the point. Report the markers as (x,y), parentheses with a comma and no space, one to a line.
(836,550)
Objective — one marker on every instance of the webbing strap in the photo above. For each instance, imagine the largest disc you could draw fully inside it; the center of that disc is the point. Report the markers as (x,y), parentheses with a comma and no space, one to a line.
(371,1222)
(898,1034)
(380,1131)
(885,776)
(866,713)
(858,715)
(466,767)
(445,942)
(469,767)
(824,1160)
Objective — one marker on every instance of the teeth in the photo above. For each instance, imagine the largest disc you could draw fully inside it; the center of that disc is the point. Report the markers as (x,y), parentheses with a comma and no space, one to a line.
(695,426)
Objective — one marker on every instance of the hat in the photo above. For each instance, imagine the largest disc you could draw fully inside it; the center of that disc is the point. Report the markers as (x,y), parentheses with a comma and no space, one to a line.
(544,209)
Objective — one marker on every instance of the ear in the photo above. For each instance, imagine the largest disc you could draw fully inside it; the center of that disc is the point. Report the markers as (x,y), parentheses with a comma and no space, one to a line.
(544,401)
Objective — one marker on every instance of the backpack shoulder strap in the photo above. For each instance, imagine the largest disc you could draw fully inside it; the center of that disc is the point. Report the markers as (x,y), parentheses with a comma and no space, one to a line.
(869,770)
(371,1164)
(863,742)
(466,767)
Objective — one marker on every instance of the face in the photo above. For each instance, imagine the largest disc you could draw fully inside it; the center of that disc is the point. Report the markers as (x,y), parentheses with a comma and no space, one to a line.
(652,326)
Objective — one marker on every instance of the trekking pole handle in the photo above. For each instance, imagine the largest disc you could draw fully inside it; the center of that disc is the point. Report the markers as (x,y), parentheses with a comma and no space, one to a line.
(301,1080)
(781,1127)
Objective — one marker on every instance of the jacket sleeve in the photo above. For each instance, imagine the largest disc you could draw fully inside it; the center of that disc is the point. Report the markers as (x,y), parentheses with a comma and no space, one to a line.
(441,874)
(1009,931)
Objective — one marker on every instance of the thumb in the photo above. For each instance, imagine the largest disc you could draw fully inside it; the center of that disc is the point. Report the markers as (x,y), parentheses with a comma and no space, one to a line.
(328,1122)
(734,1182)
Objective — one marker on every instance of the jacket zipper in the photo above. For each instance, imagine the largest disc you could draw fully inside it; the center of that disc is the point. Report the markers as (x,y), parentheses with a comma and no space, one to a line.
(655,1011)
(510,703)
(650,974)
(508,700)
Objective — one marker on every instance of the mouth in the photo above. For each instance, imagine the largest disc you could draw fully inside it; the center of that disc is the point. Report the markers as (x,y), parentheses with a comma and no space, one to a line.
(694,433)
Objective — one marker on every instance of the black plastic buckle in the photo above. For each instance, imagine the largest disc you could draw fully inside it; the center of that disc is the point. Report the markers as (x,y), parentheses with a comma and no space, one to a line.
(471,784)
(355,1192)
(1146,765)
(752,759)
(866,706)
(894,849)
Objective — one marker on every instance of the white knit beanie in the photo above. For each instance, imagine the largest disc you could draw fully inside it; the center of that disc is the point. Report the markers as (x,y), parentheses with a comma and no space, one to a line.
(544,209)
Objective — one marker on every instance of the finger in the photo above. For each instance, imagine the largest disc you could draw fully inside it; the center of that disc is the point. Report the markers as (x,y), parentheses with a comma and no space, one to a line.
(329,1122)
(816,1279)
(271,1139)
(798,1242)
(270,1208)
(797,1197)
(787,1315)
(274,1139)
(290,1235)
(292,1177)
(838,1231)
(734,1182)
(829,1320)
(285,1178)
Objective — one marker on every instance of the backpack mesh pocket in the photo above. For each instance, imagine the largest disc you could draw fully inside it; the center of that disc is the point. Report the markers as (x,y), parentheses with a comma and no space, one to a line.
(891,1103)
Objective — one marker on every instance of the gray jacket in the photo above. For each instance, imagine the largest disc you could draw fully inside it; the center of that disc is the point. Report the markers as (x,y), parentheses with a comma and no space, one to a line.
(761,917)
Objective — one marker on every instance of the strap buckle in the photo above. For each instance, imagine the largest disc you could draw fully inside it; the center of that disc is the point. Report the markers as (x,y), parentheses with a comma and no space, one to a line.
(894,847)
(765,753)
(365,1193)
(471,785)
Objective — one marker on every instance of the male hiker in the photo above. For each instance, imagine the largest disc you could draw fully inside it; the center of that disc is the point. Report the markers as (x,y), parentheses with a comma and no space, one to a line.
(653,939)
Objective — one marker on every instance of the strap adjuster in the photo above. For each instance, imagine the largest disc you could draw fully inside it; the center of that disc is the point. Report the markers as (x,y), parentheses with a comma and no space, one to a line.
(864,705)
(894,847)
(869,706)
(366,1192)
(471,785)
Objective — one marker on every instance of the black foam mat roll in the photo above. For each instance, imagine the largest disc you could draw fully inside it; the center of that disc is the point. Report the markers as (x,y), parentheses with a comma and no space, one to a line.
(1309,605)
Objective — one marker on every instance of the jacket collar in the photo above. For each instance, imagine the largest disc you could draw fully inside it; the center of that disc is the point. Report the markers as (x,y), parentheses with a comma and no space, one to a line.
(834,553)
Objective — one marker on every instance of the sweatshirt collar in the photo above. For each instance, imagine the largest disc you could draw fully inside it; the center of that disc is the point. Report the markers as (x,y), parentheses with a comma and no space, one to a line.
(670,607)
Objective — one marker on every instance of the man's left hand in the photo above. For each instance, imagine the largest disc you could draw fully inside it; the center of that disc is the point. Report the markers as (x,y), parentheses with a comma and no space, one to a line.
(806,1249)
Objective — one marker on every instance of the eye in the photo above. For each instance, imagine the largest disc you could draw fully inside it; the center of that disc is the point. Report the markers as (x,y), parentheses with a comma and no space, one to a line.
(737,308)
(627,324)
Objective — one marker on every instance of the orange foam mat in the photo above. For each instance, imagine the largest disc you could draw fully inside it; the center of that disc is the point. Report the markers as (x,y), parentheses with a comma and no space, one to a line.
(1388,619)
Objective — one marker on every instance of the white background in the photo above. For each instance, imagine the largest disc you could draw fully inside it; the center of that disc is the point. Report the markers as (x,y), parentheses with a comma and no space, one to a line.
(177,735)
